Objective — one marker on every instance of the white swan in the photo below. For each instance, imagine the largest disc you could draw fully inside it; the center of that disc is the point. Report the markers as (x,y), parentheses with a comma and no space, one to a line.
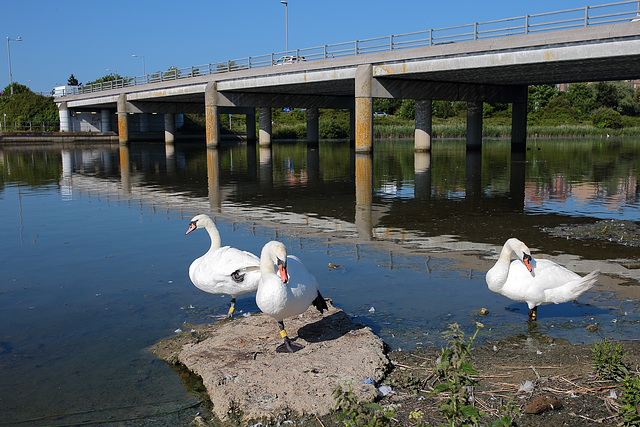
(288,293)
(536,282)
(223,270)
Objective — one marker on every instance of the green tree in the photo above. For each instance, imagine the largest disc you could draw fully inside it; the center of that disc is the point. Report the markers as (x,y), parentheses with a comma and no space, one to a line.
(443,109)
(72,81)
(27,106)
(17,89)
(387,105)
(582,98)
(617,95)
(108,78)
(407,109)
(606,118)
(539,97)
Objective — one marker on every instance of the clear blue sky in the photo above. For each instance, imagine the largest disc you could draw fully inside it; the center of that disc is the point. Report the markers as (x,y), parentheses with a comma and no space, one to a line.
(87,38)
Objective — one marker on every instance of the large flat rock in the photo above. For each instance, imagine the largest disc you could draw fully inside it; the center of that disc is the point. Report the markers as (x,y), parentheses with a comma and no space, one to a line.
(244,374)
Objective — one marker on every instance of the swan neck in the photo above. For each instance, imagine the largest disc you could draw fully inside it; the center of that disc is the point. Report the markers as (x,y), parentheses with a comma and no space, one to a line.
(214,235)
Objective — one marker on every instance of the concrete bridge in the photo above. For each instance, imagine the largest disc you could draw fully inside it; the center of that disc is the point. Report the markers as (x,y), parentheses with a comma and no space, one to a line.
(476,71)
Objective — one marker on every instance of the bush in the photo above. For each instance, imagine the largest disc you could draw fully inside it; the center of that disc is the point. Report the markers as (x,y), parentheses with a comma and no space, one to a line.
(332,129)
(606,118)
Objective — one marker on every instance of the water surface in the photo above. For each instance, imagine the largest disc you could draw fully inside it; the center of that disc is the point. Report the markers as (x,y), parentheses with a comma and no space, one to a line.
(94,258)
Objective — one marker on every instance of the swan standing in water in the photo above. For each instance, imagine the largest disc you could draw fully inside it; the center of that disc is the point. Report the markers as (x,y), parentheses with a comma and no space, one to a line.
(288,293)
(536,282)
(223,270)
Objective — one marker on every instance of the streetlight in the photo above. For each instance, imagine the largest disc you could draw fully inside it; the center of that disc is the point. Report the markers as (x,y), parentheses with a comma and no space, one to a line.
(286,23)
(144,71)
(19,39)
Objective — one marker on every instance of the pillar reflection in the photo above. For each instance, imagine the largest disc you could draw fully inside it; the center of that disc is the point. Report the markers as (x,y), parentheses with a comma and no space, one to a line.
(213,179)
(517,177)
(364,194)
(125,168)
(170,155)
(266,167)
(422,175)
(473,174)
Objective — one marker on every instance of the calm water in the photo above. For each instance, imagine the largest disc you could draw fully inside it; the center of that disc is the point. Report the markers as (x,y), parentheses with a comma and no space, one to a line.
(94,257)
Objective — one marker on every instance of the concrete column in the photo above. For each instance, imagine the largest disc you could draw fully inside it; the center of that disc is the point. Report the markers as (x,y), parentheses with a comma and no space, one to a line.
(264,123)
(169,128)
(352,125)
(312,125)
(105,119)
(144,122)
(423,125)
(123,119)
(364,109)
(65,117)
(519,121)
(250,122)
(212,119)
(474,125)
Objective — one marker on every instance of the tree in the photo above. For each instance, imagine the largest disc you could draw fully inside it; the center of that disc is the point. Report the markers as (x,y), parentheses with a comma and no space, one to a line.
(72,81)
(539,97)
(582,97)
(617,95)
(17,88)
(27,106)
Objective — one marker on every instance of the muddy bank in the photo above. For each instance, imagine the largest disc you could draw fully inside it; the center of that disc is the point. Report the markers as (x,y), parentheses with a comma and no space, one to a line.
(247,379)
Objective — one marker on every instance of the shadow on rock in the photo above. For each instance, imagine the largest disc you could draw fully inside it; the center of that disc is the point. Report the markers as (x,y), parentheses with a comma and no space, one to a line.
(328,328)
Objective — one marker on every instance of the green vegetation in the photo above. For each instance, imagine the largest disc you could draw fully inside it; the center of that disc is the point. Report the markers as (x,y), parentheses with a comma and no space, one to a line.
(607,360)
(630,410)
(455,372)
(25,106)
(354,414)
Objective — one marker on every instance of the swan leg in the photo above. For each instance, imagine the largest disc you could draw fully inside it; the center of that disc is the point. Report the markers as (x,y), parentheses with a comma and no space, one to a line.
(288,346)
(533,314)
(232,308)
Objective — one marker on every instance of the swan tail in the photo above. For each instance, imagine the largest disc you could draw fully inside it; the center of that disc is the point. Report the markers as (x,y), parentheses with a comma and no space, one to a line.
(573,289)
(320,303)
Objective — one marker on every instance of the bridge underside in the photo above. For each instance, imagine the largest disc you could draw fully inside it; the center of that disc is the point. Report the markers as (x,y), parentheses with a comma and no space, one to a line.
(492,70)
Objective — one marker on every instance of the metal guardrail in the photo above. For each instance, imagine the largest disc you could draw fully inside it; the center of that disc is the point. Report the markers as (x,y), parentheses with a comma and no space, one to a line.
(29,126)
(610,13)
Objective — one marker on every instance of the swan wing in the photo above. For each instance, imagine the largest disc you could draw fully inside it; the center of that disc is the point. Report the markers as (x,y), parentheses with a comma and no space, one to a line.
(572,289)
(226,270)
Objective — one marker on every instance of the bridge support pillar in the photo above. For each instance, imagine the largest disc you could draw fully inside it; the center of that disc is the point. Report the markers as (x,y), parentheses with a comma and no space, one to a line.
(250,122)
(313,135)
(364,109)
(352,125)
(169,128)
(264,123)
(423,125)
(65,117)
(519,121)
(474,125)
(105,120)
(123,119)
(211,116)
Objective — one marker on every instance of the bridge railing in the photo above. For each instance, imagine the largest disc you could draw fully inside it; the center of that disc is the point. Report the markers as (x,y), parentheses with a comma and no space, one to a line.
(611,13)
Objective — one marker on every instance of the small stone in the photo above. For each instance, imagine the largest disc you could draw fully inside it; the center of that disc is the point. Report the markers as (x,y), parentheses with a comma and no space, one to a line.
(592,328)
(543,403)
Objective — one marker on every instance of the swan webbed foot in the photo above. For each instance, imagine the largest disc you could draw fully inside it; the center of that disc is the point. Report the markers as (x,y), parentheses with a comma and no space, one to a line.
(533,314)
(288,346)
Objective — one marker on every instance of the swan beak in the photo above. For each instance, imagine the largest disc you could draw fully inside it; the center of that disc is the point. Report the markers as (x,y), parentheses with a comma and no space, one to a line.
(282,269)
(192,226)
(526,258)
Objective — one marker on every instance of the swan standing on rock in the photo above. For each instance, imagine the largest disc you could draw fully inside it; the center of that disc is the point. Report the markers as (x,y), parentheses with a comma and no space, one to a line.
(223,270)
(536,282)
(288,293)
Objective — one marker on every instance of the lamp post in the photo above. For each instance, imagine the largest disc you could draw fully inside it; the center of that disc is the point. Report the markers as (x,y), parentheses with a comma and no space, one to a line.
(19,39)
(286,23)
(144,70)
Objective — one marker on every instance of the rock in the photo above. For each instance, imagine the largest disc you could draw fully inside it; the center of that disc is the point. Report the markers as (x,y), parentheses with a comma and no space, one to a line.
(543,403)
(243,374)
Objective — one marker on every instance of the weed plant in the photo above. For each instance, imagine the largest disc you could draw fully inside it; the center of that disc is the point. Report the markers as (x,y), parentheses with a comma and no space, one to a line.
(354,413)
(607,360)
(630,411)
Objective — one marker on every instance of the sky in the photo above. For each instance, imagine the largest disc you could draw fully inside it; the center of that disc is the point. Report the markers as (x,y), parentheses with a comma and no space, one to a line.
(93,39)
